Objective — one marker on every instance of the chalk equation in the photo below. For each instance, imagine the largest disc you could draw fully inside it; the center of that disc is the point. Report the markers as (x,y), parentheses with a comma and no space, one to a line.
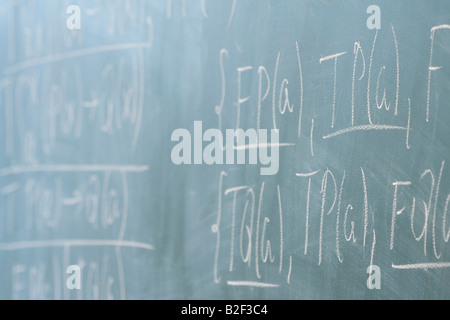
(54,91)
(251,238)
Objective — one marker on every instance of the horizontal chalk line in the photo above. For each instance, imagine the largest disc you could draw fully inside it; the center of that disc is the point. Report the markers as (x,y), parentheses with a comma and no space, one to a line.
(252,284)
(235,189)
(307,175)
(442,26)
(370,127)
(333,56)
(432,265)
(11,246)
(73,54)
(71,168)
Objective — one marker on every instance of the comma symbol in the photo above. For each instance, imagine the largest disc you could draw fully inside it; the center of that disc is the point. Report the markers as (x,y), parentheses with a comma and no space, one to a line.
(374,21)
(74,19)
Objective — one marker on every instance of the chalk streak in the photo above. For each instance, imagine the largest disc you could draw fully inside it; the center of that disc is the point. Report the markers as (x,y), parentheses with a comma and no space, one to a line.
(12,246)
(311,138)
(366,205)
(70,168)
(435,265)
(442,26)
(73,54)
(230,19)
(121,274)
(141,91)
(369,79)
(71,201)
(397,92)
(333,56)
(369,127)
(10,188)
(374,242)
(301,91)
(235,189)
(281,229)
(252,284)
(290,270)
(306,175)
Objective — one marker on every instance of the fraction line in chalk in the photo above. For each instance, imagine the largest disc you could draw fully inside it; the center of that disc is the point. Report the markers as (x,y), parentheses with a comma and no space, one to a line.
(39,244)
(73,54)
(252,284)
(370,127)
(431,265)
(71,168)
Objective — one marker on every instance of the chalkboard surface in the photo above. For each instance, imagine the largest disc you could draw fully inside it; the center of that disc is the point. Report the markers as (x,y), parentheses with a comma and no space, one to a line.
(251,149)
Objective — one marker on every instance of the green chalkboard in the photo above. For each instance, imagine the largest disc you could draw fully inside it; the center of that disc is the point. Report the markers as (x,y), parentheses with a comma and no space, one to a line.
(251,149)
